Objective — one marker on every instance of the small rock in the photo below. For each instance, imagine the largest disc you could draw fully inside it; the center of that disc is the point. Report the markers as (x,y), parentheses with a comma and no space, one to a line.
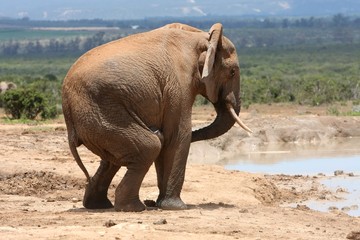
(243,210)
(345,209)
(333,208)
(302,207)
(322,197)
(351,174)
(338,172)
(355,235)
(75,200)
(109,223)
(160,222)
(354,207)
(341,190)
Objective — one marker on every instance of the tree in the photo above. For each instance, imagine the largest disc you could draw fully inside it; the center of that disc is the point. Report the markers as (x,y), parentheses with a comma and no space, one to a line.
(340,20)
(27,103)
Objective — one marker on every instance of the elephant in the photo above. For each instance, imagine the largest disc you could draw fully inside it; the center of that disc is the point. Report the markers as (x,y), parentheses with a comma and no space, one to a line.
(129,102)
(5,86)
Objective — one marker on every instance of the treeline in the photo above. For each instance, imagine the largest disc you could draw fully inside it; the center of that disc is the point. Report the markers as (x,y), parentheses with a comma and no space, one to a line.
(338,20)
(54,46)
(243,32)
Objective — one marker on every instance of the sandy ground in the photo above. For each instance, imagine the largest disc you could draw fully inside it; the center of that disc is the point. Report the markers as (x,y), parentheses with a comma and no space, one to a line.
(41,186)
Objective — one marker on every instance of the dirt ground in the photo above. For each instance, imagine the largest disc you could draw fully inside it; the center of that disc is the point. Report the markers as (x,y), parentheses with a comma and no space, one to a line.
(41,186)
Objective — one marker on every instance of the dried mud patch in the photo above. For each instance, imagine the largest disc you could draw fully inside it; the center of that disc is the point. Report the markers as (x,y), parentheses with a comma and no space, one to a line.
(266,191)
(299,188)
(37,183)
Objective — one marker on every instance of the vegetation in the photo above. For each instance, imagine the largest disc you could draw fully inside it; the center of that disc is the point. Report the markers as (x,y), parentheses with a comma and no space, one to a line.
(27,103)
(38,98)
(301,60)
(306,75)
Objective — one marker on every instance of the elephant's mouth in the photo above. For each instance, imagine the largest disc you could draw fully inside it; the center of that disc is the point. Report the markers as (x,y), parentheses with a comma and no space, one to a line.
(237,119)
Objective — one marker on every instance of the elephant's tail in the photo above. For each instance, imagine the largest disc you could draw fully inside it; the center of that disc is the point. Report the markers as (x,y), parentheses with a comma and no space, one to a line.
(75,154)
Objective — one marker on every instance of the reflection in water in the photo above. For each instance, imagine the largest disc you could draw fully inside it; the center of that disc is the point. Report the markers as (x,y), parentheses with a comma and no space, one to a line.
(293,159)
(304,166)
(307,159)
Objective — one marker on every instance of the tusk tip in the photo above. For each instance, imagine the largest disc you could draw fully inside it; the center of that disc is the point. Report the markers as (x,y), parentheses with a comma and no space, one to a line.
(238,120)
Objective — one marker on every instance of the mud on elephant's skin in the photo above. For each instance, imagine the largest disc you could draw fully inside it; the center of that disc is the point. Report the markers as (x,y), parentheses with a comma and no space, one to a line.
(129,102)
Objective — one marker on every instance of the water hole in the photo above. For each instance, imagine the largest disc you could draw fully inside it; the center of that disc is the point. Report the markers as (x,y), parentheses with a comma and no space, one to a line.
(338,157)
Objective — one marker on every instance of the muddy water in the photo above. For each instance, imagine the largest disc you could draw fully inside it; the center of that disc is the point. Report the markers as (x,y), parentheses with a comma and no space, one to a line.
(312,159)
(306,159)
(349,188)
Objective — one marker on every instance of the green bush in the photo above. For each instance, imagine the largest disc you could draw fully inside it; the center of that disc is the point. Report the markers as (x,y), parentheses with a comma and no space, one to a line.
(27,103)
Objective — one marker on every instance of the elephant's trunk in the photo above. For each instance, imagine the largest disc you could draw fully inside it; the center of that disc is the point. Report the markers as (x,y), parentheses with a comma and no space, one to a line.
(227,115)
(222,123)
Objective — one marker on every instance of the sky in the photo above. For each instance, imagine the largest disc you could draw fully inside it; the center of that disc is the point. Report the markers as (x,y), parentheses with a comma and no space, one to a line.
(138,9)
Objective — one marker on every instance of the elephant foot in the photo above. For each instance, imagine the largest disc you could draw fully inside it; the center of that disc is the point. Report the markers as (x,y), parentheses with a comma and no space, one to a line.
(97,203)
(129,206)
(171,204)
(96,199)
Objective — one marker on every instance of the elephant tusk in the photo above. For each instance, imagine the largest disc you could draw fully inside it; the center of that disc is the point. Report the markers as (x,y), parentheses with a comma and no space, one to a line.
(238,120)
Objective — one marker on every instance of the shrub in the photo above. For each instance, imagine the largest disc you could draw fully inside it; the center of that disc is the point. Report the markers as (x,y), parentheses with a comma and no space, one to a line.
(27,103)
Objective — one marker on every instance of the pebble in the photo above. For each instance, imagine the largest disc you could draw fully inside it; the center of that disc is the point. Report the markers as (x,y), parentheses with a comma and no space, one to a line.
(75,200)
(338,172)
(354,235)
(243,210)
(109,223)
(160,222)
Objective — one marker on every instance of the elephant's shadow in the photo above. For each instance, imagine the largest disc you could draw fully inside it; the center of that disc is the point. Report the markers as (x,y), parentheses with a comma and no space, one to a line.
(210,206)
(204,206)
(83,210)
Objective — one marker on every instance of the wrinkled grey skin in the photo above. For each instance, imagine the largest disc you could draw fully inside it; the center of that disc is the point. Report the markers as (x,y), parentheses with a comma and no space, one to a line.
(129,102)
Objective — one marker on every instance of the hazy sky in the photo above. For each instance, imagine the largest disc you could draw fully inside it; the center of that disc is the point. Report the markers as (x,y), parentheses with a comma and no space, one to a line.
(121,9)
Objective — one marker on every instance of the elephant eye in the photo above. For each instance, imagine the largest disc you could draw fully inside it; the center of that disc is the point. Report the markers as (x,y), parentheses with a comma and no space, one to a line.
(232,72)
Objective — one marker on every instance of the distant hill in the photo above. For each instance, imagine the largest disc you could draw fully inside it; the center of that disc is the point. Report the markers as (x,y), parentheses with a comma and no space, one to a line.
(138,9)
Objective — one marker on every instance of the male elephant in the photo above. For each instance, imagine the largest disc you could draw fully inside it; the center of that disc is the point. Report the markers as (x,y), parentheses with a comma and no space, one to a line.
(129,102)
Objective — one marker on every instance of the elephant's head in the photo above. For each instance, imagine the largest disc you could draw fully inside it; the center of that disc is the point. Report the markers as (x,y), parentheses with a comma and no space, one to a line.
(220,76)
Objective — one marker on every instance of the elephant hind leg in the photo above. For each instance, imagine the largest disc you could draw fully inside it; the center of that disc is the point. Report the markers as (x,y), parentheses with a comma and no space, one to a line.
(97,189)
(127,193)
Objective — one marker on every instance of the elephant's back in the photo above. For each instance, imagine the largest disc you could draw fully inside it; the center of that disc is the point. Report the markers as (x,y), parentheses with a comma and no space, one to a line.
(107,83)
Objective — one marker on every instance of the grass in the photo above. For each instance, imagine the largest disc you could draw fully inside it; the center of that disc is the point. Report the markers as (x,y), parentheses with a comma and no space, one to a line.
(30,34)
(13,68)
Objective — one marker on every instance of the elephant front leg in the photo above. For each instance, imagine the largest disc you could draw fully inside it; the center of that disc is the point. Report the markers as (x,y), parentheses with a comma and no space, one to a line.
(96,190)
(170,168)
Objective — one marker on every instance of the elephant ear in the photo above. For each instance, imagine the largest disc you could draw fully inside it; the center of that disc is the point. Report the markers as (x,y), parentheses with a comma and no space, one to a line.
(215,35)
